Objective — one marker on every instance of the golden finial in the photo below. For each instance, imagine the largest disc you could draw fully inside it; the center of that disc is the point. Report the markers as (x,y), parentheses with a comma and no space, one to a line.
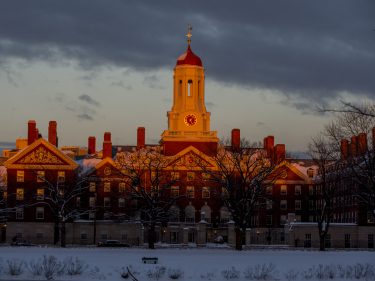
(188,35)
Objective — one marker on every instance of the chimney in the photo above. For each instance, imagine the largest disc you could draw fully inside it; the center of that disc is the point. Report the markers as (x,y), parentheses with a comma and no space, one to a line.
(279,151)
(236,139)
(362,144)
(268,144)
(107,145)
(344,147)
(141,135)
(52,132)
(353,146)
(91,145)
(31,129)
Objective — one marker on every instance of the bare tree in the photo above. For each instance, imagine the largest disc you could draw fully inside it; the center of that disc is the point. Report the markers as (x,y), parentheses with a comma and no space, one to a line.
(327,183)
(243,175)
(150,177)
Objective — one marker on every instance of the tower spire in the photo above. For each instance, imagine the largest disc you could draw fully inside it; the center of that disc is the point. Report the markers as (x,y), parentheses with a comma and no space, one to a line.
(188,35)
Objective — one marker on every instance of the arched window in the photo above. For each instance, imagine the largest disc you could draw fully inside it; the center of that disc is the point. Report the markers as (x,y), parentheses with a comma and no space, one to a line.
(174,214)
(224,215)
(180,87)
(190,88)
(190,213)
(206,213)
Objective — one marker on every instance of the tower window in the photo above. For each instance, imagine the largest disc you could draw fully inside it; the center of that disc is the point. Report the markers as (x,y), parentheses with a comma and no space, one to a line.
(180,88)
(190,88)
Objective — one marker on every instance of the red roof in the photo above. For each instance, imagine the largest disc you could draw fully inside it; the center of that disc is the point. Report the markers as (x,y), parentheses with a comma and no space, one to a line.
(189,58)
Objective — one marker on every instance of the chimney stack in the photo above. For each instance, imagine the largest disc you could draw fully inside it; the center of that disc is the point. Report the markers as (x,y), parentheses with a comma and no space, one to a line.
(31,132)
(268,144)
(236,139)
(344,147)
(362,144)
(279,151)
(354,146)
(91,145)
(52,132)
(107,145)
(141,136)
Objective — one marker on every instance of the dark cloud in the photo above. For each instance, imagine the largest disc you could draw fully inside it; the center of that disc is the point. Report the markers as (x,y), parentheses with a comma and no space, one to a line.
(89,100)
(152,81)
(85,117)
(311,49)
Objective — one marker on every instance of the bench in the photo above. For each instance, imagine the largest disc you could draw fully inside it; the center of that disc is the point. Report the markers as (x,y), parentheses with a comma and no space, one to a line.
(153,260)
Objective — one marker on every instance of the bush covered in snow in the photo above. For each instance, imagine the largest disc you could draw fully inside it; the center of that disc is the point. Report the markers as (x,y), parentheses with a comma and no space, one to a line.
(174,273)
(231,273)
(15,267)
(156,273)
(261,272)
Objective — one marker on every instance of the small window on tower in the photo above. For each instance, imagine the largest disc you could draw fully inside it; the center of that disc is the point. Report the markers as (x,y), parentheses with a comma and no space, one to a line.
(190,88)
(180,88)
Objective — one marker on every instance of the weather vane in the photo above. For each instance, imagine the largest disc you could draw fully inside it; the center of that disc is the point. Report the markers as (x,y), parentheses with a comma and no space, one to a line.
(188,35)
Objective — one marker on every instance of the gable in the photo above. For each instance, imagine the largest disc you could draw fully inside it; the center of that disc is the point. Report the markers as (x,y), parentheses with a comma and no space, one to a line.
(287,173)
(191,159)
(41,155)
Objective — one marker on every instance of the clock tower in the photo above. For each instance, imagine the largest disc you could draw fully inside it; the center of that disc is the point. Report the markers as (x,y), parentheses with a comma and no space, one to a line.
(189,120)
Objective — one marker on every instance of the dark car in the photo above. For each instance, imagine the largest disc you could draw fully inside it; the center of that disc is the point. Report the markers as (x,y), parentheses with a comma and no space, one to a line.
(112,243)
(21,243)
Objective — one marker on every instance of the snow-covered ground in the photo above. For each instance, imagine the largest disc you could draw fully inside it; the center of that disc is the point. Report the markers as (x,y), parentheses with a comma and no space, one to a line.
(194,264)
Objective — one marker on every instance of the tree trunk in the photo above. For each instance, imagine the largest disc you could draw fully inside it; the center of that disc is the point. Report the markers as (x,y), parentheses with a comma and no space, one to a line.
(56,232)
(151,236)
(238,239)
(322,246)
(63,242)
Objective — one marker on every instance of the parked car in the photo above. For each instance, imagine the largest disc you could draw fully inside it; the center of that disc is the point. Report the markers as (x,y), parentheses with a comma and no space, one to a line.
(112,243)
(21,243)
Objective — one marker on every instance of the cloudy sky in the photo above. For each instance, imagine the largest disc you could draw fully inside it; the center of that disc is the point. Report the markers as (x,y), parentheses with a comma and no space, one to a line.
(96,66)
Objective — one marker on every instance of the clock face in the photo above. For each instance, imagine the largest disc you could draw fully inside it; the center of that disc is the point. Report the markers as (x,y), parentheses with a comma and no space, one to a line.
(190,120)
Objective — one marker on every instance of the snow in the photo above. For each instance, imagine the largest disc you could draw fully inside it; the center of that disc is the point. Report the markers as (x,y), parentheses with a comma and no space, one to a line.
(194,262)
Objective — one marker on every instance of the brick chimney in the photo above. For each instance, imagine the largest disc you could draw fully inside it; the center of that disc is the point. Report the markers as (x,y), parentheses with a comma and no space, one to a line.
(268,144)
(31,132)
(141,137)
(107,145)
(362,144)
(236,139)
(52,132)
(354,146)
(91,145)
(344,147)
(279,153)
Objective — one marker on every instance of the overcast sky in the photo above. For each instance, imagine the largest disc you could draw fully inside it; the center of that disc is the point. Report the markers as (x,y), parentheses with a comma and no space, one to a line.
(96,66)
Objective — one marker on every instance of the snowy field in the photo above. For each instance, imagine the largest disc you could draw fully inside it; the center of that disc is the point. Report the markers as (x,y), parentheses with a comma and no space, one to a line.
(188,264)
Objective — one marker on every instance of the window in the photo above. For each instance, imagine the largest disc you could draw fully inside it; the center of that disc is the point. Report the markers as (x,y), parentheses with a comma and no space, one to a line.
(190,176)
(370,241)
(297,204)
(121,202)
(103,236)
(307,243)
(124,236)
(175,175)
(370,217)
(92,187)
(20,176)
(191,237)
(269,220)
(92,202)
(61,176)
(39,235)
(107,187)
(269,190)
(283,219)
(206,176)
(297,190)
(107,202)
(189,214)
(39,213)
(40,176)
(19,213)
(311,205)
(283,190)
(78,202)
(283,204)
(121,187)
(20,194)
(190,191)
(174,237)
(190,88)
(175,191)
(310,172)
(347,240)
(311,190)
(268,204)
(205,192)
(84,236)
(40,194)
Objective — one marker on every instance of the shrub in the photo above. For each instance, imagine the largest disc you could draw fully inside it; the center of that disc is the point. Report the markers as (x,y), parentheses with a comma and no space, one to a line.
(175,274)
(35,267)
(291,275)
(208,276)
(231,273)
(15,267)
(156,273)
(52,267)
(261,272)
(74,266)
